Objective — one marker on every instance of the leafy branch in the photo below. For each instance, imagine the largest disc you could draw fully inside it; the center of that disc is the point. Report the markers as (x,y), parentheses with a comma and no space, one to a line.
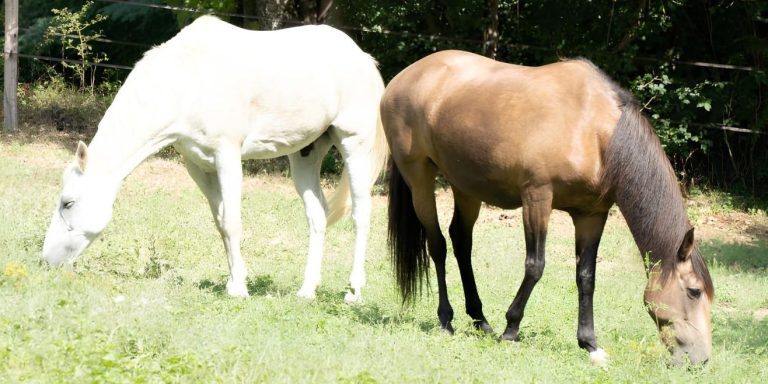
(70,30)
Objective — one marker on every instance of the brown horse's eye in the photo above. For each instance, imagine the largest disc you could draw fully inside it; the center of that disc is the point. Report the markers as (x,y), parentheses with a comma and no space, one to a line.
(694,293)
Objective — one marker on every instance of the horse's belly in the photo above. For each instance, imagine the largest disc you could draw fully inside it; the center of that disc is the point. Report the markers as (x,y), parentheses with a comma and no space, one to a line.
(266,142)
(268,148)
(501,189)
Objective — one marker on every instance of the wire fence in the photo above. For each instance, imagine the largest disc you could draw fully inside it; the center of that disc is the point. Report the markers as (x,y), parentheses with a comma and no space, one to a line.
(376,30)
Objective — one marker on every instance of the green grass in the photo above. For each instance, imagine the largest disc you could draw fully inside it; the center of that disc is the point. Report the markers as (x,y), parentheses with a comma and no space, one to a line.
(146,302)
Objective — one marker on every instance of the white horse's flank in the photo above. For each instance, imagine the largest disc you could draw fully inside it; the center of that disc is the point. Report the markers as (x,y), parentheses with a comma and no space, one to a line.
(220,94)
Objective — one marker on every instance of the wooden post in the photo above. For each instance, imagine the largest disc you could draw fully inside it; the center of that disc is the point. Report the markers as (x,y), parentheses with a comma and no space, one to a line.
(11,62)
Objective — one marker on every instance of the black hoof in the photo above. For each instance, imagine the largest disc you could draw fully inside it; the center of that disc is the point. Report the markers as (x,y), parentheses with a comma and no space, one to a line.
(482,325)
(447,327)
(509,335)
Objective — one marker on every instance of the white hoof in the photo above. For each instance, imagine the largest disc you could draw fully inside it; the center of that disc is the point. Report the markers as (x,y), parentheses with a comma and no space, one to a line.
(237,289)
(353,298)
(306,293)
(599,358)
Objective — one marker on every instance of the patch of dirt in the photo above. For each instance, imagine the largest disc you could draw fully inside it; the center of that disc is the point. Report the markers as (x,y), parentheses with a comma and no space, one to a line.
(161,174)
(729,227)
(168,172)
(760,314)
(733,227)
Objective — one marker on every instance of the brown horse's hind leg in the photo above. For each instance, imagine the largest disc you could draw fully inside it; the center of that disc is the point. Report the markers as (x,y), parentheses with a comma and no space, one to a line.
(421,177)
(589,229)
(465,212)
(537,206)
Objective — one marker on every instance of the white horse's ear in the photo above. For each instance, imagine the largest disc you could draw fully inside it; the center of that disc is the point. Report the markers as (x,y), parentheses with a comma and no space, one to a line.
(81,155)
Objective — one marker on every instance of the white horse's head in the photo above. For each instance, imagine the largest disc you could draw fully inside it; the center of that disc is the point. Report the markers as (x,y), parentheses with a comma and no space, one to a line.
(82,212)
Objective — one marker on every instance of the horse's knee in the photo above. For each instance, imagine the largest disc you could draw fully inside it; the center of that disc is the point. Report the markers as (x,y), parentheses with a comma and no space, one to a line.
(586,281)
(317,224)
(534,268)
(230,228)
(361,209)
(437,248)
(457,234)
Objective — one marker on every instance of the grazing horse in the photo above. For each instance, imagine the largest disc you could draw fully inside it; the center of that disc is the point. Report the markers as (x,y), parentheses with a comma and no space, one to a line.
(220,94)
(561,136)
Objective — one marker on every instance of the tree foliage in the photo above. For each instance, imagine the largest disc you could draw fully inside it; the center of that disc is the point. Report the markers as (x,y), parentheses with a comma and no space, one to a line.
(69,30)
(662,51)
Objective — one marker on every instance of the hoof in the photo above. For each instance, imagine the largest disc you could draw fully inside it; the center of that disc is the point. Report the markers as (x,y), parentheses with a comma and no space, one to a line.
(306,293)
(599,358)
(237,289)
(483,326)
(509,336)
(447,328)
(353,296)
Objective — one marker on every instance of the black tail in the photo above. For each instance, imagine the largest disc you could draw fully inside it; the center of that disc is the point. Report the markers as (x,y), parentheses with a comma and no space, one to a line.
(407,237)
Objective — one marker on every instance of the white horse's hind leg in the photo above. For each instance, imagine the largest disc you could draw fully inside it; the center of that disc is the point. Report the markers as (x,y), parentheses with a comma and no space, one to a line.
(358,163)
(223,190)
(305,171)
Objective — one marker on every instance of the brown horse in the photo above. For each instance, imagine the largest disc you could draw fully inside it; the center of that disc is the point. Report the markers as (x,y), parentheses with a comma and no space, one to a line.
(561,136)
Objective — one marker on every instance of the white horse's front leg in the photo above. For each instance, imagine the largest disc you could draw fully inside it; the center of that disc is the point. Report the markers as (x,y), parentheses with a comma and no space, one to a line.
(305,170)
(225,214)
(230,174)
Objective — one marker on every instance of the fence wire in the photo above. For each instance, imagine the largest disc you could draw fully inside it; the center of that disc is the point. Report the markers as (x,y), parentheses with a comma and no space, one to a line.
(364,30)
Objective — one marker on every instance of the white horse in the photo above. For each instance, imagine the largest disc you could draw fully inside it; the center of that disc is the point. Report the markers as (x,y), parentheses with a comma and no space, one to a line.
(220,94)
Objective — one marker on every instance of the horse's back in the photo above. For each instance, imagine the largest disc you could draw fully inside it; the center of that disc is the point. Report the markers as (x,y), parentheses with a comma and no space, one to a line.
(209,34)
(495,129)
(273,91)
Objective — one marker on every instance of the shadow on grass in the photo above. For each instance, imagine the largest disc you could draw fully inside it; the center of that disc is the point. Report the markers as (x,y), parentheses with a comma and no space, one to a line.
(745,334)
(369,314)
(373,315)
(751,258)
(261,285)
(30,133)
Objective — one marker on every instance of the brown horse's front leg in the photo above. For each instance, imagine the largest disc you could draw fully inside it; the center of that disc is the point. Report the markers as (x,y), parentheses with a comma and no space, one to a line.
(589,230)
(537,206)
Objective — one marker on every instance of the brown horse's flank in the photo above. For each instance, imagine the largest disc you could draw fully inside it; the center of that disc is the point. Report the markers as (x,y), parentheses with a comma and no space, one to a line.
(635,171)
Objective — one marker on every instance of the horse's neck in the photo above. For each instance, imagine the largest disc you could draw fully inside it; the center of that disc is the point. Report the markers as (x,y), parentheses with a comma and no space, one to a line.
(657,222)
(125,138)
(644,186)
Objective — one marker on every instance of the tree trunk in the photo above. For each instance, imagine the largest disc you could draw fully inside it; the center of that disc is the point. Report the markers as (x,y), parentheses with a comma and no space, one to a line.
(491,32)
(314,11)
(11,61)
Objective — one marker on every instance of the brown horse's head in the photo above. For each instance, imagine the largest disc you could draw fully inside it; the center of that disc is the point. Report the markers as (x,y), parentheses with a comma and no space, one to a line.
(679,301)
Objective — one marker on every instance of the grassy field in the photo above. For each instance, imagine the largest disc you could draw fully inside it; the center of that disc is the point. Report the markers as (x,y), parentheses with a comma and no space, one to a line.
(146,302)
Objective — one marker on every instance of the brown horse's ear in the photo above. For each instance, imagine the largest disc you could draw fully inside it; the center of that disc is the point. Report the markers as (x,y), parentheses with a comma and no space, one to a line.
(686,247)
(81,155)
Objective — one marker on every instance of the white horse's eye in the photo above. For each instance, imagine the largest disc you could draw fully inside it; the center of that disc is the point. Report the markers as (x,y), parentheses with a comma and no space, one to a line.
(68,204)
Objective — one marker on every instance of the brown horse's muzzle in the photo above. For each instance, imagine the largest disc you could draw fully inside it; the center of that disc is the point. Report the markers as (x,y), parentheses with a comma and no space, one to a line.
(684,325)
(683,340)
